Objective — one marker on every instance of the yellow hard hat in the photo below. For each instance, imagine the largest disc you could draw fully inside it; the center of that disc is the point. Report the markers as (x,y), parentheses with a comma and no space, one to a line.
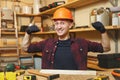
(63,13)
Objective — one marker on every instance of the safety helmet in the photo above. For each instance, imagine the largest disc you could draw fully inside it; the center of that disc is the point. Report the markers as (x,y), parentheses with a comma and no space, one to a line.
(63,13)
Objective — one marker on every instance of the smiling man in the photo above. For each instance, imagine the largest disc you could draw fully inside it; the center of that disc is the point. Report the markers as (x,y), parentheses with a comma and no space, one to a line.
(65,52)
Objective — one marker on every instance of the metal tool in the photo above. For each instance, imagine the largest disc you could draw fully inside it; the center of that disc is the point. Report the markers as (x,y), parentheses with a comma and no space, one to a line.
(48,76)
(29,77)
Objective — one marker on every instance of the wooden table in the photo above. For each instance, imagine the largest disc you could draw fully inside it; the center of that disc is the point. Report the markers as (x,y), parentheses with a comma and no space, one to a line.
(72,77)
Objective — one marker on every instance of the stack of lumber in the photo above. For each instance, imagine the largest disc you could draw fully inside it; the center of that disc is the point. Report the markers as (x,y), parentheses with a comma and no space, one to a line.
(92,62)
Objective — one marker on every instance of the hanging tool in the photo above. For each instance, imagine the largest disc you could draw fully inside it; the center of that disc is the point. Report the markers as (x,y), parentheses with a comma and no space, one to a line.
(48,76)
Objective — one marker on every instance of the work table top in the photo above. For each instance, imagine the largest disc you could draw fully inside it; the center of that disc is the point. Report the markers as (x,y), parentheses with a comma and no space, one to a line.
(72,77)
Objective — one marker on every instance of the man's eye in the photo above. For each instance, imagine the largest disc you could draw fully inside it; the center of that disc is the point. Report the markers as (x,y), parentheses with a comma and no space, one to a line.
(56,23)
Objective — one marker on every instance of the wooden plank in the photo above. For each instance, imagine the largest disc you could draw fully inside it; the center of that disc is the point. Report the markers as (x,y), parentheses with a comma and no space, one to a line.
(68,72)
(95,67)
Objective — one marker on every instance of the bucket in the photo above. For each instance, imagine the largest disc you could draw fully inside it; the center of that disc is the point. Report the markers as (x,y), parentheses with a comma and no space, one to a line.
(103,16)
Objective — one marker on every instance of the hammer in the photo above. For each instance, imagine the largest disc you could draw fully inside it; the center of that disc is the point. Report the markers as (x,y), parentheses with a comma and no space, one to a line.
(48,76)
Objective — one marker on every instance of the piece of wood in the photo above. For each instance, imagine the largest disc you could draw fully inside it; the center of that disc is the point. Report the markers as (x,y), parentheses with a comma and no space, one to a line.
(36,72)
(68,72)
(95,67)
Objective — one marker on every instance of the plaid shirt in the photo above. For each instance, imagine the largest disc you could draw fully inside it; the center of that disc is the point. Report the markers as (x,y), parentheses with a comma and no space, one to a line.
(79,47)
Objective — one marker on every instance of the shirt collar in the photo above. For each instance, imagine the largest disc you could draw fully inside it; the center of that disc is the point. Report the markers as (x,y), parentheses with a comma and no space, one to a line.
(56,40)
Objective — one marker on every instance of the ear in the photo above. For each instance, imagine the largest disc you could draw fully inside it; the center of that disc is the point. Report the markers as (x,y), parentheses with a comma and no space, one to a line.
(71,25)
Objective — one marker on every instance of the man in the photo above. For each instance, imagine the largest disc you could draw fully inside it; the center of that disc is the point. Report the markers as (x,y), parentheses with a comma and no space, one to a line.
(65,52)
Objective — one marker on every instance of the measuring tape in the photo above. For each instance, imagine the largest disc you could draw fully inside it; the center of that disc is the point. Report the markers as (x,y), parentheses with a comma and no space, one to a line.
(100,78)
(29,77)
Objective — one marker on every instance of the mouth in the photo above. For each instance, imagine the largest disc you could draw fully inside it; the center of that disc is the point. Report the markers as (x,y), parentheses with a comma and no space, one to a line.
(59,31)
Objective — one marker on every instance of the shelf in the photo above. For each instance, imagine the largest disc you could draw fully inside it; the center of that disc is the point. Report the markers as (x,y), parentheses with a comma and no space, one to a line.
(72,30)
(72,4)
(9,55)
(8,48)
(9,61)
(26,55)
(8,29)
(27,15)
(92,29)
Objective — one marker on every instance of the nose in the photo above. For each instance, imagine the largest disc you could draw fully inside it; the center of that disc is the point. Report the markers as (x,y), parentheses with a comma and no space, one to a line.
(58,25)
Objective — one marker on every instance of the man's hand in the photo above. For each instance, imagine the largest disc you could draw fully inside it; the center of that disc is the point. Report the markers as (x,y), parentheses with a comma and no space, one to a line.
(99,26)
(32,29)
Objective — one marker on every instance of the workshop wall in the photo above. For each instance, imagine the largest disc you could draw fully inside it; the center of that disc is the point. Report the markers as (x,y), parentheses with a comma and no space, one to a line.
(81,19)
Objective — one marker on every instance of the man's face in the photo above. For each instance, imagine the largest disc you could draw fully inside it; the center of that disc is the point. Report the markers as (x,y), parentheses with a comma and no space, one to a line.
(62,27)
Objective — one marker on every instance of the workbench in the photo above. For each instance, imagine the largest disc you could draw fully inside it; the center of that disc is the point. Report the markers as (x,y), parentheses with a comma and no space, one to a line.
(92,65)
(72,77)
